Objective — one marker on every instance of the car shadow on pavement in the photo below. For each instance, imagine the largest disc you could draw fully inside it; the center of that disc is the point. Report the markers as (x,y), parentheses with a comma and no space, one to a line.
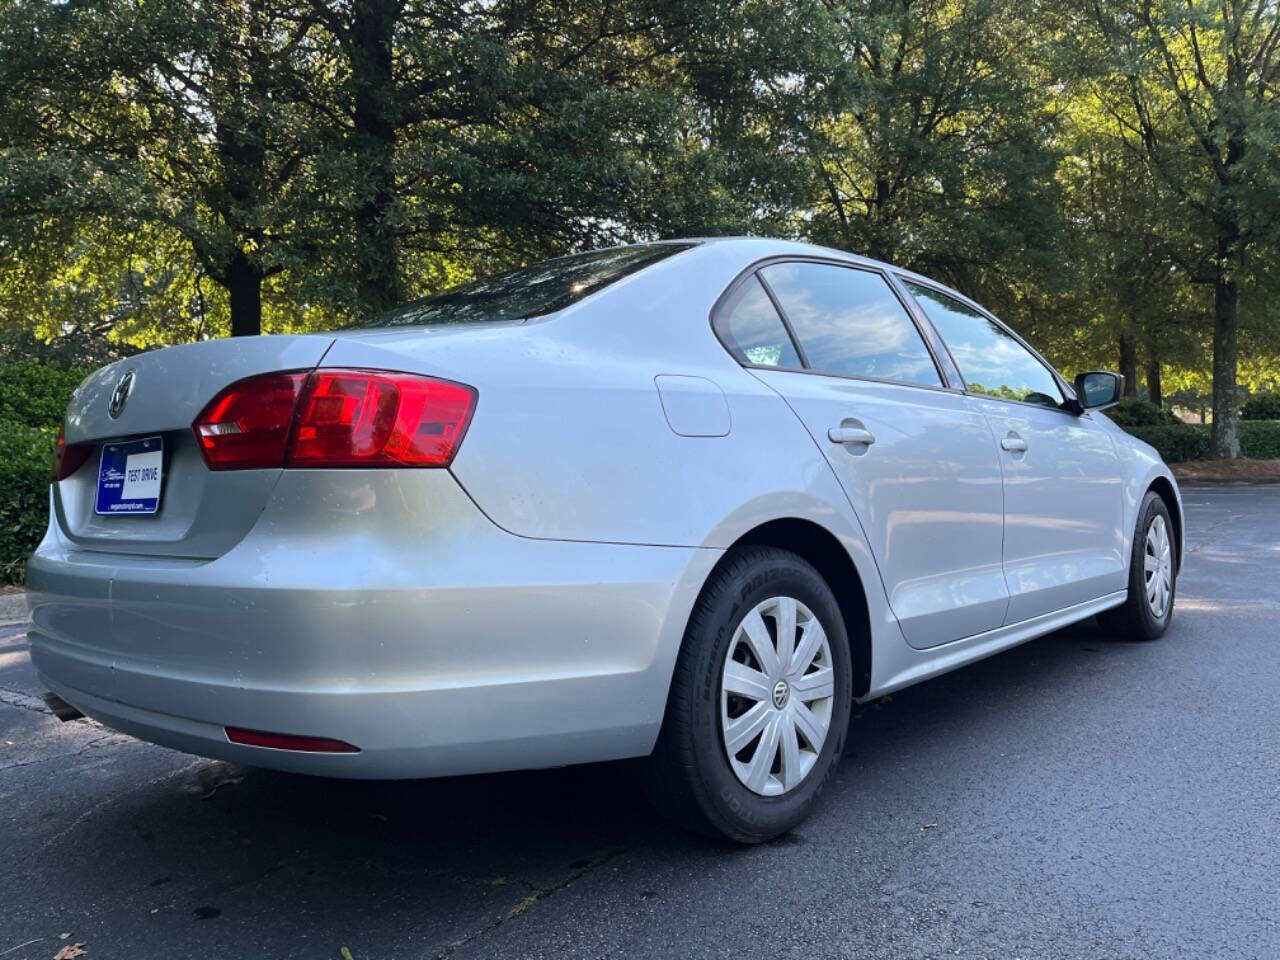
(535,811)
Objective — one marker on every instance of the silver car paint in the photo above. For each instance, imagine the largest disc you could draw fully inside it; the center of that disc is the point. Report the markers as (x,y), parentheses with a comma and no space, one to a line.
(1063,508)
(927,493)
(522,609)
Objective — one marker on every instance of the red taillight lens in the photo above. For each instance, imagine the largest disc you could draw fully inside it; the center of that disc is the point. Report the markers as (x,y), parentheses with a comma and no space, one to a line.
(335,418)
(287,741)
(69,457)
(247,424)
(357,418)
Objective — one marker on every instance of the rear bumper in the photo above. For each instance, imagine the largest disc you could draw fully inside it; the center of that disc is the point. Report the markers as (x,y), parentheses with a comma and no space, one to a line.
(382,609)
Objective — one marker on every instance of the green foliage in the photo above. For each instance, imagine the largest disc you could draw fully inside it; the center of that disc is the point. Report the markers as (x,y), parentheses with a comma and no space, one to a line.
(35,394)
(1259,439)
(1261,406)
(1184,441)
(1105,176)
(26,456)
(33,401)
(933,143)
(1136,412)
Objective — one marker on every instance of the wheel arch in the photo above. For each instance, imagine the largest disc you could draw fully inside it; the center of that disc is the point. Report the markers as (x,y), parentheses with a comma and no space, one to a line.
(820,547)
(1164,487)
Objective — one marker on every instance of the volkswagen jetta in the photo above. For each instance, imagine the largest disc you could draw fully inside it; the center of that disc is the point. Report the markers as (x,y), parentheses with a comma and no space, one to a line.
(686,500)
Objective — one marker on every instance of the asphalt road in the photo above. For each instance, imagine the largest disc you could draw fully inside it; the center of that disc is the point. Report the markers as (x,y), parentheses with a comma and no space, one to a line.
(1076,797)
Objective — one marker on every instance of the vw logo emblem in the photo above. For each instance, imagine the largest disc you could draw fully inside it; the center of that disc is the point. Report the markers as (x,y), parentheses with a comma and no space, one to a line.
(781,693)
(120,395)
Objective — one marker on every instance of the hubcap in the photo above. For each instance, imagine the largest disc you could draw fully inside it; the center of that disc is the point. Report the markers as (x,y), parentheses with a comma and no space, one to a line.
(1157,568)
(776,696)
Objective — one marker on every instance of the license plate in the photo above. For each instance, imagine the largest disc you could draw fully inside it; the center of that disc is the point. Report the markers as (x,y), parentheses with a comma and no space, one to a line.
(129,475)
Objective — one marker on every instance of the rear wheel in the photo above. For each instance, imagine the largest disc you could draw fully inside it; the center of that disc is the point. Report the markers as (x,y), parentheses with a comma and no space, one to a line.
(759,703)
(1153,576)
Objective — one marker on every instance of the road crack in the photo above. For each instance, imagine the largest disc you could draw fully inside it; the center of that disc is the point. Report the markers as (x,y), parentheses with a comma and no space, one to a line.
(23,701)
(539,895)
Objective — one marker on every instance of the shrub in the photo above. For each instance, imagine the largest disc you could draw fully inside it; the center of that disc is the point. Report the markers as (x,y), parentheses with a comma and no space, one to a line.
(33,401)
(26,458)
(1261,406)
(1176,442)
(1136,412)
(35,393)
(1259,440)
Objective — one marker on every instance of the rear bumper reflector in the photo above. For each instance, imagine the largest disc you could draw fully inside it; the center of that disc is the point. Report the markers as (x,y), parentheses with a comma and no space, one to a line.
(287,741)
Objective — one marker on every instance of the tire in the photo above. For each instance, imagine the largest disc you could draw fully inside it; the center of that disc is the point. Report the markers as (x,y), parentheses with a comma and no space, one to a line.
(691,775)
(1141,617)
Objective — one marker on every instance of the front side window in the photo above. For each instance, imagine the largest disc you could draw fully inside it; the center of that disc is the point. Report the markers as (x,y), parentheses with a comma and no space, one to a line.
(991,361)
(849,322)
(532,291)
(753,330)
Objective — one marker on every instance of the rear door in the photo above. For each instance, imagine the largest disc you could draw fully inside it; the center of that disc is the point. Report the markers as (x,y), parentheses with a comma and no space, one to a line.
(1063,487)
(916,461)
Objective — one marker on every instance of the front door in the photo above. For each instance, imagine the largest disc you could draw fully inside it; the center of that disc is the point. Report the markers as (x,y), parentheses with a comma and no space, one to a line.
(1063,488)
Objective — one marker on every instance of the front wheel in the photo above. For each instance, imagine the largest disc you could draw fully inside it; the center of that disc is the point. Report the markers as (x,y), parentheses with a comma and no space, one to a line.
(1153,576)
(760,700)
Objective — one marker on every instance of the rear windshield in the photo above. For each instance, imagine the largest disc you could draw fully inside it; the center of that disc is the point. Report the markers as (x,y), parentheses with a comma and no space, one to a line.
(529,291)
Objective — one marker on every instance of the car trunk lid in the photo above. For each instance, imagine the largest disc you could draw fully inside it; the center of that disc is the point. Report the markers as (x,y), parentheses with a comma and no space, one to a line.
(202,513)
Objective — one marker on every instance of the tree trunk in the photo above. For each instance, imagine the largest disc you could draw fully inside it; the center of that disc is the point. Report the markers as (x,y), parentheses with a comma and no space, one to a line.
(375,122)
(1129,365)
(244,288)
(1225,436)
(1155,392)
(241,138)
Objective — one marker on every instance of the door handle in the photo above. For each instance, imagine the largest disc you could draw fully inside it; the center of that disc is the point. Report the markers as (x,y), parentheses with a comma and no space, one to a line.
(851,435)
(1014,444)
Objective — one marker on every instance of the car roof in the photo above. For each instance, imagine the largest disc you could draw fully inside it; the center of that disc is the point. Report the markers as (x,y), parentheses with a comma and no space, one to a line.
(759,248)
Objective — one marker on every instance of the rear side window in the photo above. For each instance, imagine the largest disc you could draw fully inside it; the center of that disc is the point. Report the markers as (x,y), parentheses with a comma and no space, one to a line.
(753,329)
(849,322)
(992,362)
(529,291)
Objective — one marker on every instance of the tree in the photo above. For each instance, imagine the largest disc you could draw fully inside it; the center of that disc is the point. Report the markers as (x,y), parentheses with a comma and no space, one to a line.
(934,149)
(167,114)
(1128,291)
(1191,87)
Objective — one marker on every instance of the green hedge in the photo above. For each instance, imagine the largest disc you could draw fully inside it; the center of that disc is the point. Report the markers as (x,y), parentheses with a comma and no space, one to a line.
(1136,412)
(26,461)
(1261,406)
(33,401)
(1176,442)
(1259,439)
(35,394)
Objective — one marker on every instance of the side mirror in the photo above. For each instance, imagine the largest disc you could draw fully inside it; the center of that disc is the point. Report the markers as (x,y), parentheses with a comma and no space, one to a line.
(1098,389)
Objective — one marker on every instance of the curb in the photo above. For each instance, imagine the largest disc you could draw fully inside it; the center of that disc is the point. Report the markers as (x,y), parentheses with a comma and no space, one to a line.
(1227,481)
(13,607)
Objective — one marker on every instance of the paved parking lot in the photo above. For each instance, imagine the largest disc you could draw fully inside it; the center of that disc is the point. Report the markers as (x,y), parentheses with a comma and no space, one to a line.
(1076,797)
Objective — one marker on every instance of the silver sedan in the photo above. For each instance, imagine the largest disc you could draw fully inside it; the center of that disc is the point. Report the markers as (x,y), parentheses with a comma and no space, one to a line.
(685,501)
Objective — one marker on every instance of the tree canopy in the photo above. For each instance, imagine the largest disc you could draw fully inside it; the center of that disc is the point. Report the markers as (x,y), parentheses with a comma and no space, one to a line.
(1104,174)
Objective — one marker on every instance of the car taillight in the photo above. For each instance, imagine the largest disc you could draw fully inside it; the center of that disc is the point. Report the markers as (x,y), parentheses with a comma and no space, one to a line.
(335,418)
(247,424)
(69,457)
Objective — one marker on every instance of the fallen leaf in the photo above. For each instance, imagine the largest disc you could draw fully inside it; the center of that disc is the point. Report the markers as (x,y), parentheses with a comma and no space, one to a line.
(70,952)
(346,954)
